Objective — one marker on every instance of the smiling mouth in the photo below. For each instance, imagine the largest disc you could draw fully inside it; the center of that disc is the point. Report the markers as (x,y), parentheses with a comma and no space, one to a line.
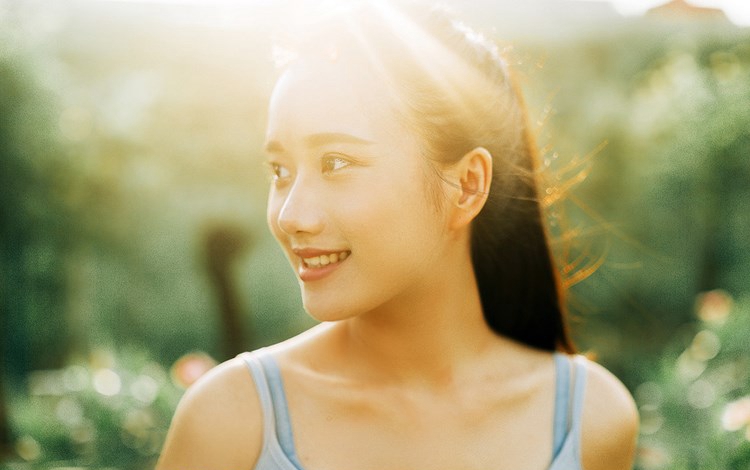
(325,260)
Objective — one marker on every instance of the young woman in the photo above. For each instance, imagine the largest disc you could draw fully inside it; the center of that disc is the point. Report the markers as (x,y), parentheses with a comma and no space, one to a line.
(404,195)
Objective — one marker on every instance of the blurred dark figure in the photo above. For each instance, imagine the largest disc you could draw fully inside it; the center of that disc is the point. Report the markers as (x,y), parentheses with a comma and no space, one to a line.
(223,245)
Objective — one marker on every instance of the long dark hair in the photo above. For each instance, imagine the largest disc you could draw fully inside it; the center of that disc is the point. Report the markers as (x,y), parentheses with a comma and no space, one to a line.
(454,89)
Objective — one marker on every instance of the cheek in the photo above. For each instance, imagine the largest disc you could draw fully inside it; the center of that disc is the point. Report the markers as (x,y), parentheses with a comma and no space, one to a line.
(392,222)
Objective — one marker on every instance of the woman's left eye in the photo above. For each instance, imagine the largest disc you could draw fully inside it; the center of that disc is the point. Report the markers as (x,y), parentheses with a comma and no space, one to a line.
(334,163)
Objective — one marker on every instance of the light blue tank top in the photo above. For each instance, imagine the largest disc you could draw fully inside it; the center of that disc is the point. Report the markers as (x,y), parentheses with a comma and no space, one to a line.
(278,451)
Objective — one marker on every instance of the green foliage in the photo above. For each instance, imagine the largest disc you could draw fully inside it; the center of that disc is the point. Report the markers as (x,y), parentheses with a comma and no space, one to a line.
(107,412)
(115,167)
(34,225)
(665,207)
(696,411)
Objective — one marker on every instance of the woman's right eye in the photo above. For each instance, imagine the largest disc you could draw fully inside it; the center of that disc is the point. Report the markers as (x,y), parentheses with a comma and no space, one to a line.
(279,172)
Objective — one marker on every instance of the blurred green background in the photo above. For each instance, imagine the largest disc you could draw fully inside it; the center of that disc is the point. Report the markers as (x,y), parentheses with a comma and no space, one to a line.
(134,252)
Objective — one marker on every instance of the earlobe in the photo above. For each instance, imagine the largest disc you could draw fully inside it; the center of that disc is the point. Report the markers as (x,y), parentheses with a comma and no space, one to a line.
(475,178)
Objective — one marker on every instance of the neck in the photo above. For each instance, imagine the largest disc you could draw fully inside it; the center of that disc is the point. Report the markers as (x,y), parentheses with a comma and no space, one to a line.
(426,335)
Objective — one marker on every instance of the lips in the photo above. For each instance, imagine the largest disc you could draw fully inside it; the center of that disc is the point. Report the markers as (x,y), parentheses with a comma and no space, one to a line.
(325,260)
(317,264)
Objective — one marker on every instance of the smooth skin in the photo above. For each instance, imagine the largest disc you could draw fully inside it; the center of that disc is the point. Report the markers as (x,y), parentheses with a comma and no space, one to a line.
(403,372)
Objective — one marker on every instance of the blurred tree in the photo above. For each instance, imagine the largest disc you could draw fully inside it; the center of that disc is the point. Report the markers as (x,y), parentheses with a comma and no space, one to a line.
(33,229)
(34,224)
(666,206)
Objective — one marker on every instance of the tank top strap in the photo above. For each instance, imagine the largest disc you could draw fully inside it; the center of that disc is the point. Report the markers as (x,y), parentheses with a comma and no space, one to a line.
(280,407)
(277,426)
(578,396)
(562,400)
(258,374)
(569,396)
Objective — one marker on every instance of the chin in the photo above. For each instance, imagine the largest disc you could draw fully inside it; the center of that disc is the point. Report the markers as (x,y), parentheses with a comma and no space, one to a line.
(330,309)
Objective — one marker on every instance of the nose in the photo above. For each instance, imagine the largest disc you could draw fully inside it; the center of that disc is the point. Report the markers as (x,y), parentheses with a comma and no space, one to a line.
(300,213)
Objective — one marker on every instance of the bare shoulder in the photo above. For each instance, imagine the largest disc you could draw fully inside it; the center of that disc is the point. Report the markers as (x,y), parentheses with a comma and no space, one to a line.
(217,424)
(610,422)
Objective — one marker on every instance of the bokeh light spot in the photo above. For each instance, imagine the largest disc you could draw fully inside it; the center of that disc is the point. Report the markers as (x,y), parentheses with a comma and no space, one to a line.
(69,411)
(107,382)
(28,448)
(144,389)
(75,378)
(649,393)
(714,306)
(190,367)
(688,367)
(701,394)
(736,415)
(705,346)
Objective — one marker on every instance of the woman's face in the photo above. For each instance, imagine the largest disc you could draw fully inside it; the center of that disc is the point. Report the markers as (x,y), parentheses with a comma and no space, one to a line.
(350,199)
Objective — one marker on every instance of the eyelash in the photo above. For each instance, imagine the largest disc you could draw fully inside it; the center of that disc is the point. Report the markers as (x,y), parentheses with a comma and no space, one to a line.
(329,163)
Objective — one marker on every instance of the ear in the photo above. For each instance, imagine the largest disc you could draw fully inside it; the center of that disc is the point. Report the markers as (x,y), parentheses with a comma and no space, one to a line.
(474,174)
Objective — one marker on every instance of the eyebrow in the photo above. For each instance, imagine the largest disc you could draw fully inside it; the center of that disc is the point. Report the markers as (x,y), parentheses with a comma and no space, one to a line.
(320,139)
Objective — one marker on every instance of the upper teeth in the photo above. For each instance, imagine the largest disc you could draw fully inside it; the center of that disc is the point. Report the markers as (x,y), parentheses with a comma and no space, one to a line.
(324,260)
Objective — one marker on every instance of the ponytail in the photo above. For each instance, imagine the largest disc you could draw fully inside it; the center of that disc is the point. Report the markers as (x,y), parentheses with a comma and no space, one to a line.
(519,284)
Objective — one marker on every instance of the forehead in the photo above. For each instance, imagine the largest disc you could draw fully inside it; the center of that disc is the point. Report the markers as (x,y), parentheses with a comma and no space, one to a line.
(342,95)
